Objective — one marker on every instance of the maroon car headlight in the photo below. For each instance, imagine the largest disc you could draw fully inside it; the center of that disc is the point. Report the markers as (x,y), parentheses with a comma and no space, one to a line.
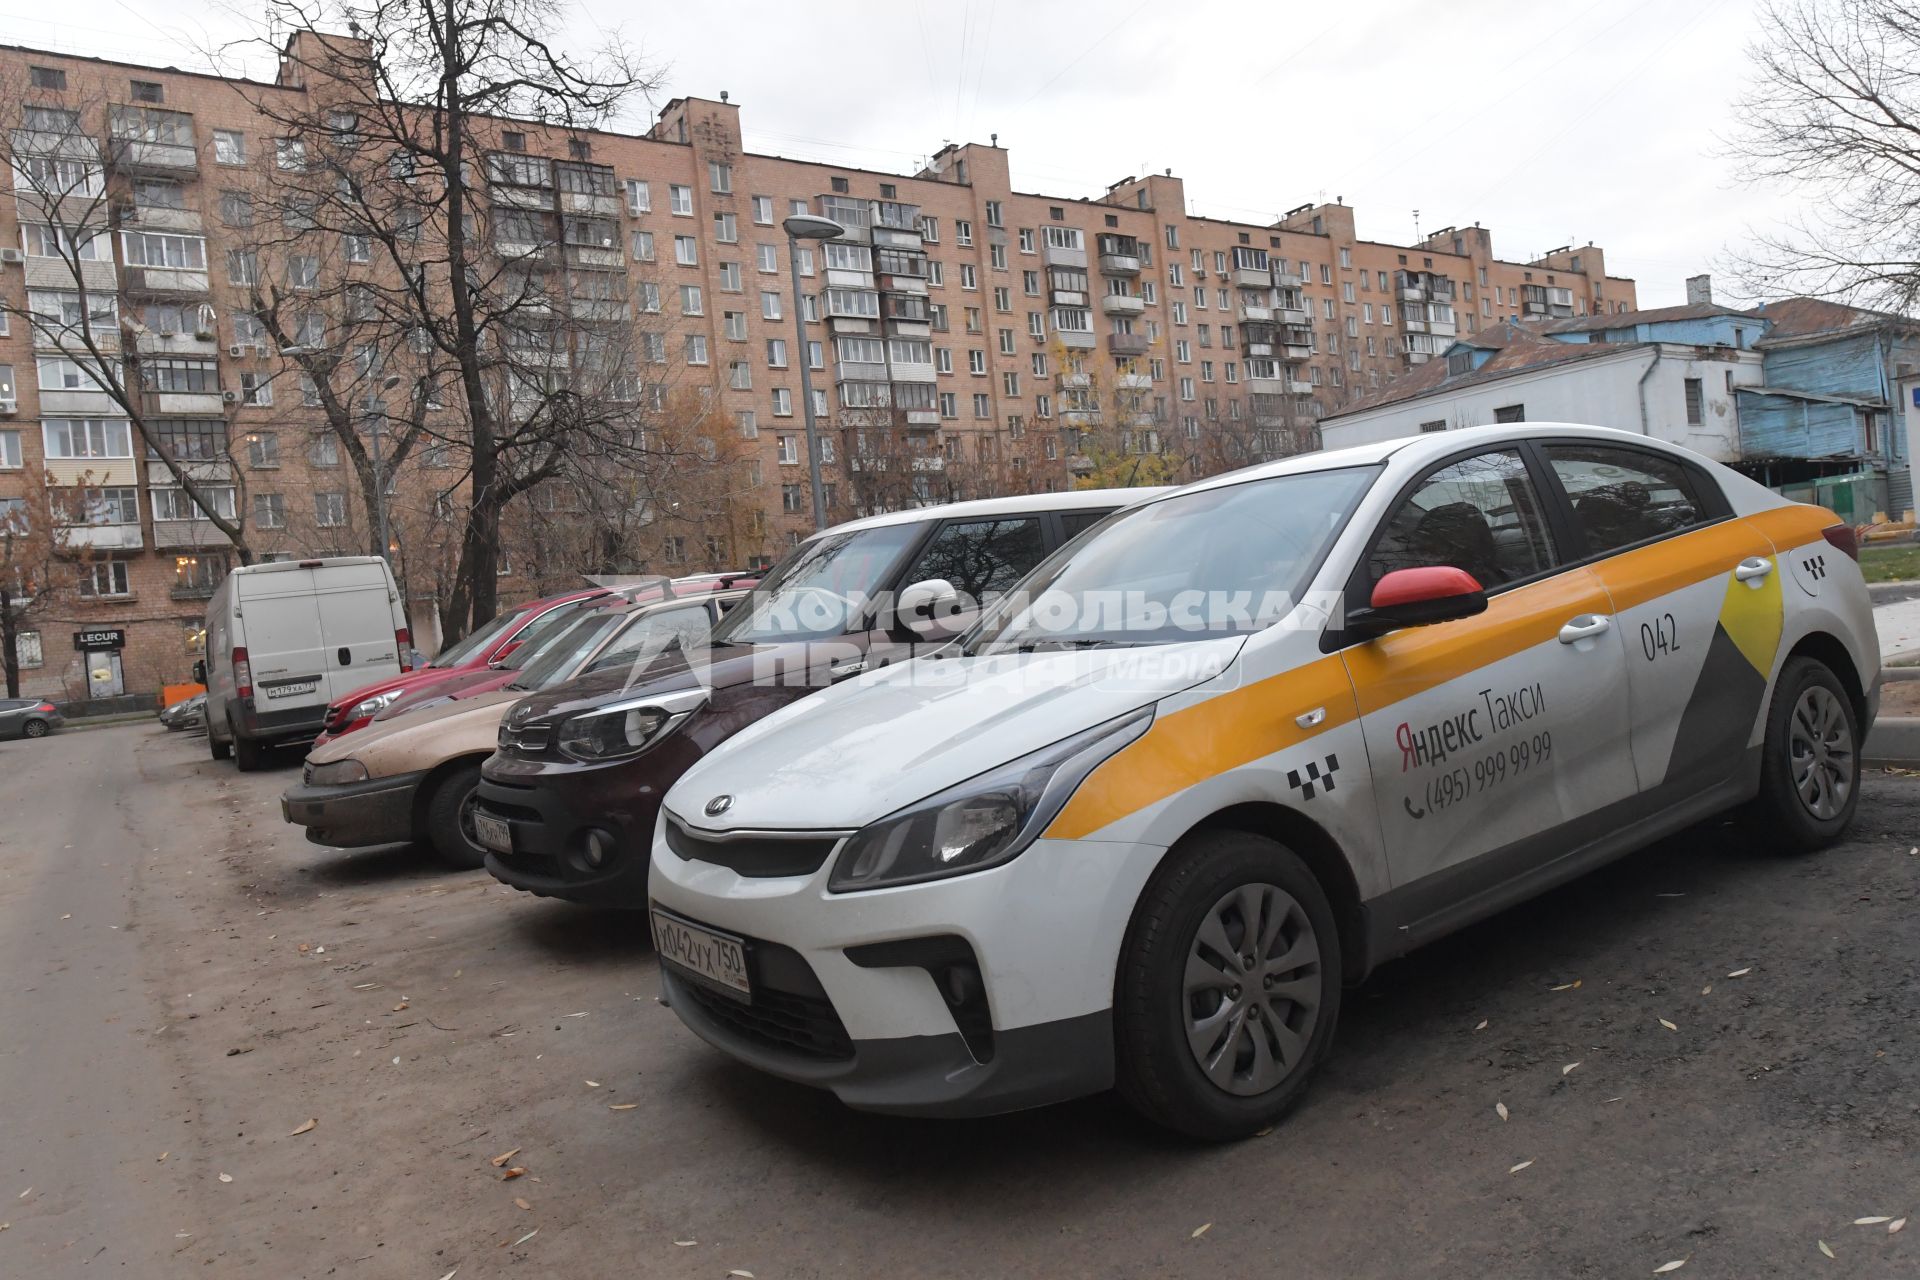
(625,728)
(366,708)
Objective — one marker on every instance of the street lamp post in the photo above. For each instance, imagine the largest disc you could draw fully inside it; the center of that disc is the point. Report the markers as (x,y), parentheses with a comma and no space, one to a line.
(805,226)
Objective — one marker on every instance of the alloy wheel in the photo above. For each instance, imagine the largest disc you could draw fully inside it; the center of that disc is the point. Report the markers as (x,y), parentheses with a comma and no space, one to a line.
(1820,753)
(1252,991)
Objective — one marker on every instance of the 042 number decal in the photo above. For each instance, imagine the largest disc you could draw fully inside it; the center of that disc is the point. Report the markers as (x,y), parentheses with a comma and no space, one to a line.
(1446,789)
(1659,636)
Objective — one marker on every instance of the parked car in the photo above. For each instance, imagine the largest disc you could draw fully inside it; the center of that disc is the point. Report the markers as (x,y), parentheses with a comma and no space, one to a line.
(286,639)
(188,713)
(413,778)
(487,645)
(1152,853)
(538,637)
(28,718)
(567,804)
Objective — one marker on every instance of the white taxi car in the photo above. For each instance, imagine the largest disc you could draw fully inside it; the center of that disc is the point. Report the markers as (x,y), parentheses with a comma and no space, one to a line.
(1236,746)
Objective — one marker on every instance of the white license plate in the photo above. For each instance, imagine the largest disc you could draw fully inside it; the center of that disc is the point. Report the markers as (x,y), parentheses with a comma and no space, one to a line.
(291,690)
(710,958)
(493,833)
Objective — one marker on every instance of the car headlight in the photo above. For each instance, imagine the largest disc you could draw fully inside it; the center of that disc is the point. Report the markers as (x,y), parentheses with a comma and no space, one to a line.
(984,821)
(336,772)
(366,707)
(626,728)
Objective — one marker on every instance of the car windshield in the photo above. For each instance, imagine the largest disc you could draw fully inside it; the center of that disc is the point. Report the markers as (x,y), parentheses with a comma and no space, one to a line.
(820,590)
(538,632)
(554,661)
(461,650)
(1219,561)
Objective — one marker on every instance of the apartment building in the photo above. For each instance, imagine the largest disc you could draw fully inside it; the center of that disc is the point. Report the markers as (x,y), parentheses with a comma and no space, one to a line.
(964,338)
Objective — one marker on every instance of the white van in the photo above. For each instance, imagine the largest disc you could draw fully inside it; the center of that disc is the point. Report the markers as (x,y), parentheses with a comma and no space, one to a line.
(284,640)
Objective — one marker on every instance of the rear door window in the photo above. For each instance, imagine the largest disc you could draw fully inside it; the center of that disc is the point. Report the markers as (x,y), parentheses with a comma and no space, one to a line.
(1621,497)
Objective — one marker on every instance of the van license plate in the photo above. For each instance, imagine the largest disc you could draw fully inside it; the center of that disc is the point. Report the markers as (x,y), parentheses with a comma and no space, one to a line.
(711,959)
(492,832)
(291,690)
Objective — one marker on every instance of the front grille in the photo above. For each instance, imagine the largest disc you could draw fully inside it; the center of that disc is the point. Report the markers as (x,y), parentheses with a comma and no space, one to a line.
(528,739)
(754,855)
(806,1025)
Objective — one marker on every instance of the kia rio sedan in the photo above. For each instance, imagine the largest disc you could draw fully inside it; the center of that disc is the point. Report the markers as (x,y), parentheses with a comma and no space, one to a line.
(1234,747)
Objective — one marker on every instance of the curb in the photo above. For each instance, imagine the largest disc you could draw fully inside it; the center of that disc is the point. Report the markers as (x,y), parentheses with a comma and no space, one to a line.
(1899,589)
(1894,742)
(110,722)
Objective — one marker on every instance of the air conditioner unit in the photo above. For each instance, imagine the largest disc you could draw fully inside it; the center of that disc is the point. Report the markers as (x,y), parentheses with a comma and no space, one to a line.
(260,348)
(236,351)
(8,408)
(230,397)
(15,256)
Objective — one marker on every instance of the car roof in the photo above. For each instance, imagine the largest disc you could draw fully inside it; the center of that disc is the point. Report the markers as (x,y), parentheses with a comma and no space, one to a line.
(1068,500)
(1414,450)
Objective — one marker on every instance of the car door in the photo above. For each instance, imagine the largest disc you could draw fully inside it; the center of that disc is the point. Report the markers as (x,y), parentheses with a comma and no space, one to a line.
(1696,596)
(1488,736)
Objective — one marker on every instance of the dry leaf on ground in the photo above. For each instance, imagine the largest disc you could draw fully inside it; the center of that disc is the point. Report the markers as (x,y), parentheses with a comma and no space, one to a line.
(1668,1025)
(518,1171)
(1483,1024)
(1873,1222)
(1740,973)
(622,1106)
(226,1177)
(519,1203)
(1500,1109)
(1201,1230)
(1896,1225)
(504,1156)
(308,1127)
(1826,1248)
(1665,1267)
(1517,1168)
(686,1244)
(1568,1068)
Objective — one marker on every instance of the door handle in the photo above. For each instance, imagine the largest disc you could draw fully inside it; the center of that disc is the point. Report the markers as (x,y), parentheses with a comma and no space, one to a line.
(1751,568)
(846,669)
(1584,627)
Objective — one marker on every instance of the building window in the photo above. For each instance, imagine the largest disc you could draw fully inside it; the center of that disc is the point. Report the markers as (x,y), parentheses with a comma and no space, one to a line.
(87,438)
(1510,413)
(256,388)
(27,645)
(696,348)
(48,77)
(680,200)
(720,177)
(1696,402)
(639,197)
(329,510)
(105,578)
(686,251)
(10,451)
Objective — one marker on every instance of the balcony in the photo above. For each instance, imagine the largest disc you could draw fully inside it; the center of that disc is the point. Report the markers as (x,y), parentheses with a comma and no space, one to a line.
(1059,256)
(165,281)
(1123,304)
(1298,388)
(1133,382)
(1252,277)
(1292,315)
(1120,264)
(935,462)
(100,537)
(57,273)
(1266,386)
(141,218)
(185,404)
(1297,350)
(1073,381)
(188,533)
(1259,350)
(1076,339)
(1288,279)
(1251,313)
(1442,328)
(91,402)
(1128,344)
(136,155)
(922,419)
(181,344)
(854,215)
(912,372)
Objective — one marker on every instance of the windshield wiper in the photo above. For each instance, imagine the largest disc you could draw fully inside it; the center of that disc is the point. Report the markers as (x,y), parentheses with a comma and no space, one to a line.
(1081,642)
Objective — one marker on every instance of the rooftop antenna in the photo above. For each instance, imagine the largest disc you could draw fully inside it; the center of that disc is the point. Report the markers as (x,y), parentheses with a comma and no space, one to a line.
(1416,226)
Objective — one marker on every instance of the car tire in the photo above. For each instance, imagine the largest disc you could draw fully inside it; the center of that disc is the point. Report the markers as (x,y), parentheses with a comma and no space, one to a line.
(1810,764)
(217,749)
(448,817)
(34,729)
(1194,1055)
(248,755)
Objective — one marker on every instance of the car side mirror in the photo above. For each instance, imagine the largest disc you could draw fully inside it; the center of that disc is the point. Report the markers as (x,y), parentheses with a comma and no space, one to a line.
(1418,598)
(200,671)
(933,606)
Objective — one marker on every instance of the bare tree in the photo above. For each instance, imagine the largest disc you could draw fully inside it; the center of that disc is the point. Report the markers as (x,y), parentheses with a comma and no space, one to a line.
(1833,111)
(475,248)
(73,197)
(41,564)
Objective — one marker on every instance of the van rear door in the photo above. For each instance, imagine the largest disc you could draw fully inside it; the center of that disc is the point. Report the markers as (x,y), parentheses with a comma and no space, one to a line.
(280,628)
(356,608)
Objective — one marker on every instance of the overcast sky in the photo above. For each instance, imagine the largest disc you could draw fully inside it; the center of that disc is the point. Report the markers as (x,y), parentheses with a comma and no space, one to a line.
(1581,120)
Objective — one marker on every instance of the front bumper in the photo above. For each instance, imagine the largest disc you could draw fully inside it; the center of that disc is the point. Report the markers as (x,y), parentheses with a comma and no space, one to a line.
(553,808)
(848,1006)
(352,814)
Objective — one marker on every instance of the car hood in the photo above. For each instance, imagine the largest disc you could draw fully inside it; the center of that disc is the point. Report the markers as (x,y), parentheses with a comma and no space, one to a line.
(454,683)
(860,750)
(412,680)
(420,740)
(717,668)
